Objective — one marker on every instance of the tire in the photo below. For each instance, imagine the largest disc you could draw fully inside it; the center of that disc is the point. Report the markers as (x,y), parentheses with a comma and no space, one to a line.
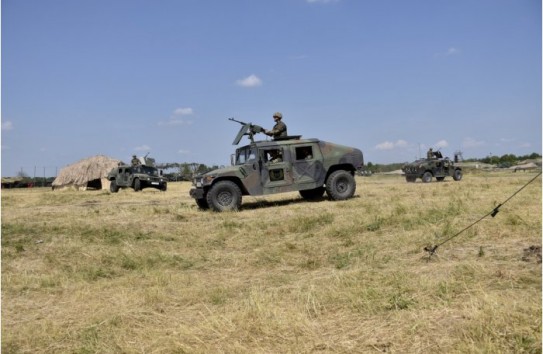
(202,203)
(137,185)
(427,177)
(457,176)
(340,185)
(113,187)
(224,196)
(313,194)
(164,187)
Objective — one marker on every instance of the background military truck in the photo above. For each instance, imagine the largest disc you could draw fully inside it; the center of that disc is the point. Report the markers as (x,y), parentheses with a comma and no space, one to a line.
(310,166)
(141,174)
(427,168)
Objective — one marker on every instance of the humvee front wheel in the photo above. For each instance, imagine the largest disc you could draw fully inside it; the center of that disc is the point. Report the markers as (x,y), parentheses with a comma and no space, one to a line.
(113,187)
(340,185)
(137,185)
(427,177)
(224,196)
(312,194)
(457,176)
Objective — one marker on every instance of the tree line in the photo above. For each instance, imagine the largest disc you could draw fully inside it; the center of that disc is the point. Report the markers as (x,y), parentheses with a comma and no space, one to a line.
(185,171)
(504,161)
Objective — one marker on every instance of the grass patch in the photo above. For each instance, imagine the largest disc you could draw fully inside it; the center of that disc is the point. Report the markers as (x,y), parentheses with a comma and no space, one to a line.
(89,272)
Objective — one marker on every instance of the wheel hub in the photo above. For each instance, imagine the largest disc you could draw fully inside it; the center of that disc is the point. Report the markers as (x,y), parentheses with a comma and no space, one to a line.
(224,198)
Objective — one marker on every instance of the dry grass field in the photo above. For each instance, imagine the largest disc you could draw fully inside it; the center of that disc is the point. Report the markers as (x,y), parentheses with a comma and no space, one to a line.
(147,272)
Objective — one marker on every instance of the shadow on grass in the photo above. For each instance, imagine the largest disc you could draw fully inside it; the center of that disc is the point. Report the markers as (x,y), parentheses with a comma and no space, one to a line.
(268,204)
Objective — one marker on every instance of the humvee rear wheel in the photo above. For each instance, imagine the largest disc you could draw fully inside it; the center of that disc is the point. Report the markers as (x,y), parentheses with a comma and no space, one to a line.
(340,185)
(457,176)
(312,194)
(427,177)
(113,187)
(224,196)
(137,185)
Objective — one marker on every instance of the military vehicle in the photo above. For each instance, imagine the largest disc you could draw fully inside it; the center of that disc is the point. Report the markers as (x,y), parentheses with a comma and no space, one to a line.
(140,174)
(432,166)
(286,164)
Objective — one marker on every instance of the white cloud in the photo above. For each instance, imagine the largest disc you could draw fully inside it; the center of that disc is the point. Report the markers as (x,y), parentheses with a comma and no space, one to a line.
(452,51)
(183,152)
(176,117)
(441,144)
(472,143)
(142,148)
(388,145)
(183,111)
(7,125)
(250,81)
(449,52)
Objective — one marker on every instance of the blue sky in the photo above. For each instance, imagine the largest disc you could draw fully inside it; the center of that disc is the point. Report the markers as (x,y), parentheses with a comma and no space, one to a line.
(393,78)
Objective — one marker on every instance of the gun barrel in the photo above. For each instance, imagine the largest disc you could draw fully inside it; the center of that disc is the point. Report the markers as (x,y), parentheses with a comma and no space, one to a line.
(237,121)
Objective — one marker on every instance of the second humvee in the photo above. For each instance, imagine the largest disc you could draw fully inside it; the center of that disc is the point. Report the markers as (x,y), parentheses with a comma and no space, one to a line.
(139,175)
(310,166)
(434,166)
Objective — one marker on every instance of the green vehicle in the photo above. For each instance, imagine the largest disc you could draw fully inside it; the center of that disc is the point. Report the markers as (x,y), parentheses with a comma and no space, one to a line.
(141,174)
(428,168)
(309,166)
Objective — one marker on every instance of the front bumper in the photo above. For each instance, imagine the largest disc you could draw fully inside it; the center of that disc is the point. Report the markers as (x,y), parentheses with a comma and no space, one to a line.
(196,193)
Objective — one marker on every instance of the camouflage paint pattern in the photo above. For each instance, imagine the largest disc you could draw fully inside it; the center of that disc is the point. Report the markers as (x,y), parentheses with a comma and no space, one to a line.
(431,167)
(305,165)
(125,176)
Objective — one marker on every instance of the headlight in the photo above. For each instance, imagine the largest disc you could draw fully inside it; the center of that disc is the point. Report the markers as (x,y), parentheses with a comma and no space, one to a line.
(208,179)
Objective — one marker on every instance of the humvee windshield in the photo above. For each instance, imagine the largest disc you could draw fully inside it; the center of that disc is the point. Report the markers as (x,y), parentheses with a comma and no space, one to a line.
(245,154)
(146,169)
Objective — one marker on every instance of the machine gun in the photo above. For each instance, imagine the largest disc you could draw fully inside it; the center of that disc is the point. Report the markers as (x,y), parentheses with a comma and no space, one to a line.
(249,129)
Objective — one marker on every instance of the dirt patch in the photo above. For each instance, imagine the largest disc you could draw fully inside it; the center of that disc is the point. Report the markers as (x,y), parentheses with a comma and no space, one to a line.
(532,253)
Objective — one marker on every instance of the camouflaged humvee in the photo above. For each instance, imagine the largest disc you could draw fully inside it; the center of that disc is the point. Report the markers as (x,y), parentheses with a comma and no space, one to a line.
(310,166)
(435,166)
(141,174)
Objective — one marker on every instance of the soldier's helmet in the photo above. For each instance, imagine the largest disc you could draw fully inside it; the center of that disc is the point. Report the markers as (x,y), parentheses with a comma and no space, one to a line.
(277,115)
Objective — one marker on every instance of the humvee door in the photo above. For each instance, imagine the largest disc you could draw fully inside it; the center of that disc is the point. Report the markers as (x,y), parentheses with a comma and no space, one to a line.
(276,172)
(307,169)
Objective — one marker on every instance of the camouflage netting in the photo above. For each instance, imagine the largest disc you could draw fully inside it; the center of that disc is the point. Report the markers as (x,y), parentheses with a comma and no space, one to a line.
(90,172)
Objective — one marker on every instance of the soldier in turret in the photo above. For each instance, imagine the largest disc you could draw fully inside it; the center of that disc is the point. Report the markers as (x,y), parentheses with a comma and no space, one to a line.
(279,129)
(430,154)
(135,160)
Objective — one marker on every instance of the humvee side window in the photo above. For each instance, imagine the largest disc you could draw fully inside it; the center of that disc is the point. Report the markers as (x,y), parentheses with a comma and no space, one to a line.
(244,156)
(273,155)
(304,153)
